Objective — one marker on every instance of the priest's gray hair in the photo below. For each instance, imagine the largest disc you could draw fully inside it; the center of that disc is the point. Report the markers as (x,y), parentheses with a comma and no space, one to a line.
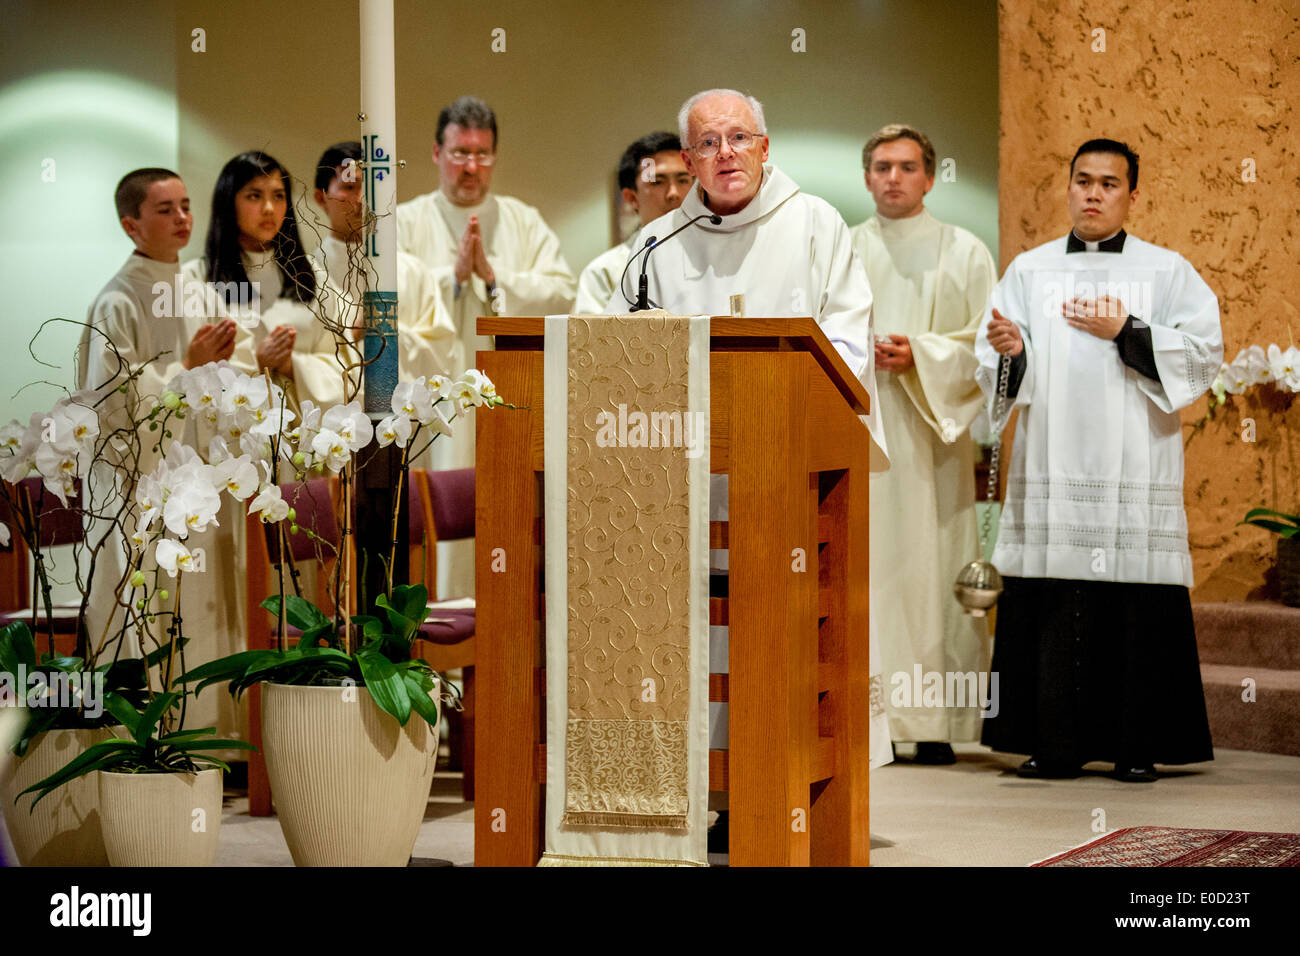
(685,112)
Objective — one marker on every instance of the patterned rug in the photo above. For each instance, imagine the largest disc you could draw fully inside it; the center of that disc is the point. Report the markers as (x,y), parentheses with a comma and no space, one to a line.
(1171,846)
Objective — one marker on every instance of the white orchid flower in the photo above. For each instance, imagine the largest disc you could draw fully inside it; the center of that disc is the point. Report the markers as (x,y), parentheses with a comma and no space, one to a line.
(191,506)
(202,390)
(349,422)
(482,384)
(218,450)
(413,400)
(244,393)
(440,386)
(464,396)
(331,449)
(1285,367)
(140,536)
(239,477)
(172,556)
(270,504)
(11,437)
(1254,363)
(394,428)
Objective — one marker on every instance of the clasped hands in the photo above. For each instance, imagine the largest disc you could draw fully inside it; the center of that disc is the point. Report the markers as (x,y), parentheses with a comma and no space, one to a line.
(1102,317)
(471,257)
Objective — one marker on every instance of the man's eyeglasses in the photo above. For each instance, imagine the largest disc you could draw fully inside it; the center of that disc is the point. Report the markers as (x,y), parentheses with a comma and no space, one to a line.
(739,140)
(462,156)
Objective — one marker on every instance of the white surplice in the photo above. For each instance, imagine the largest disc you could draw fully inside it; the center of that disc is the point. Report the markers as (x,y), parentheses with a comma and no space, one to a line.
(532,278)
(931,282)
(789,254)
(426,337)
(318,353)
(599,280)
(212,601)
(1095,487)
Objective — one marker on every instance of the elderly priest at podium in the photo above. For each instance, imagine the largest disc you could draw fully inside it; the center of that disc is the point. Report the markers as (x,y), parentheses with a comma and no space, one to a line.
(751,242)
(748,235)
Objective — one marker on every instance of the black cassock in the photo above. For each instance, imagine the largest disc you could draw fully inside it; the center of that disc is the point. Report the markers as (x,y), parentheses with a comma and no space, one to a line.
(1098,670)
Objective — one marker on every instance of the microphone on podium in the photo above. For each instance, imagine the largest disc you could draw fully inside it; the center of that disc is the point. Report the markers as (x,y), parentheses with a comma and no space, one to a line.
(643,298)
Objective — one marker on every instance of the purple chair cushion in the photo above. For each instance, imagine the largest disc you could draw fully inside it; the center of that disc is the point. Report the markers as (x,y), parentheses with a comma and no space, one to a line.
(452,494)
(448,625)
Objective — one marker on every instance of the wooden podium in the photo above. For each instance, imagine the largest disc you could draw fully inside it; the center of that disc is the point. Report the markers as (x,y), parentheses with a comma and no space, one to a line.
(785,427)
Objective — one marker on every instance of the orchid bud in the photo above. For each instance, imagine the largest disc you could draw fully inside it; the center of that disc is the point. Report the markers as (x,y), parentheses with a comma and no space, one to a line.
(171,400)
(137,579)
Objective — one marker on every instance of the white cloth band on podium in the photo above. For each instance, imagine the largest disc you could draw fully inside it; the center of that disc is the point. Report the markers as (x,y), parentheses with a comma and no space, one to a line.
(624,593)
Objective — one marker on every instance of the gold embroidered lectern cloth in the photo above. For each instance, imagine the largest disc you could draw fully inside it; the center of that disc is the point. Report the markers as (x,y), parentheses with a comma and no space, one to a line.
(627,461)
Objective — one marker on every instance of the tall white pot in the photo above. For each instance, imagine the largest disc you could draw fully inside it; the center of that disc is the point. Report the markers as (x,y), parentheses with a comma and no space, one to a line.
(160,819)
(350,784)
(64,829)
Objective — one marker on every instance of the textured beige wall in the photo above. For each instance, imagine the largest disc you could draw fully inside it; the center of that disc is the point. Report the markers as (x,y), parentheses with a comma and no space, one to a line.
(1196,87)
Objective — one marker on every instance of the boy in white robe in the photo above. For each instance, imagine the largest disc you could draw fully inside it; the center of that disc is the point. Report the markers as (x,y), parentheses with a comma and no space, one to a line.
(1108,338)
(490,255)
(931,283)
(425,334)
(159,322)
(652,180)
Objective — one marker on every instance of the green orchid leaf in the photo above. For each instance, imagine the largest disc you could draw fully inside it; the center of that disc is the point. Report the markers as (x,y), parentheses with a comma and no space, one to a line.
(126,714)
(298,611)
(91,759)
(421,702)
(1259,512)
(413,601)
(152,714)
(18,637)
(385,685)
(1284,530)
(68,665)
(225,668)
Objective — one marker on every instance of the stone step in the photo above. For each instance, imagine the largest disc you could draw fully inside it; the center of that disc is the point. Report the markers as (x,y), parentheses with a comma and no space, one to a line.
(1269,724)
(1253,633)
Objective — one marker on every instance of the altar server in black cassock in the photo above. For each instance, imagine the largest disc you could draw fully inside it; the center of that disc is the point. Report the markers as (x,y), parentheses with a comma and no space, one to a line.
(1109,337)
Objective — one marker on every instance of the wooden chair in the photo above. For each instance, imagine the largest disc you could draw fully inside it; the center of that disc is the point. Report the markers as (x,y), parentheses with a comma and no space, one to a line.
(447,640)
(59,525)
(313,502)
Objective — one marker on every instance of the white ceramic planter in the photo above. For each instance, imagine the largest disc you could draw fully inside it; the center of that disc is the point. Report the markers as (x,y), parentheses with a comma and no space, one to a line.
(160,819)
(350,784)
(64,830)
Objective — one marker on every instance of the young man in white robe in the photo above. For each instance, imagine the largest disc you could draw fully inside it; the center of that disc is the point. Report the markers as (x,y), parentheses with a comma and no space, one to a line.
(1107,338)
(930,284)
(152,319)
(426,337)
(788,253)
(490,255)
(653,180)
